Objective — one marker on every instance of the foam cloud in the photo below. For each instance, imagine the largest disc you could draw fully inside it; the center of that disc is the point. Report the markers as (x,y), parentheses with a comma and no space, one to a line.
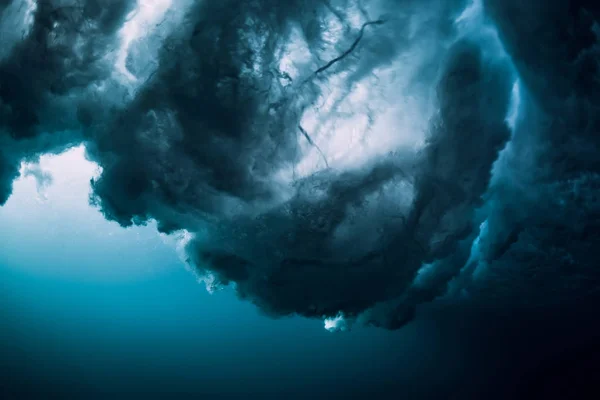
(59,59)
(338,159)
(542,207)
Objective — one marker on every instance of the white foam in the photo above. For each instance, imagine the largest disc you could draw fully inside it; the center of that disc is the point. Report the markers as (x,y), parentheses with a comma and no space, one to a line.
(140,23)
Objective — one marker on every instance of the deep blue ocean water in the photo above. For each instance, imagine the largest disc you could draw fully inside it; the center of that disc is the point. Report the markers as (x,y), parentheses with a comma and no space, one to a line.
(93,310)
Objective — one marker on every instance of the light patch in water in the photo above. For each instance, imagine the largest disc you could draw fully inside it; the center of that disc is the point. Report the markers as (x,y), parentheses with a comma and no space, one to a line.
(353,126)
(140,23)
(49,209)
(337,323)
(515,104)
(296,54)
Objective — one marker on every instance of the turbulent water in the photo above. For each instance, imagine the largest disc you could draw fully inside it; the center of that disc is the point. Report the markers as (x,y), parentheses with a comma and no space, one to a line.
(345,160)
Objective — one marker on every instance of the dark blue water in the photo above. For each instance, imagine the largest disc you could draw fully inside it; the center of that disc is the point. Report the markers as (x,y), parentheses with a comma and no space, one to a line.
(91,310)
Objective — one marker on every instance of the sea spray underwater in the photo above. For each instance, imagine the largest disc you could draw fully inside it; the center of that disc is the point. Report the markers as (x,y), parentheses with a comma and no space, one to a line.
(334,159)
(322,153)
